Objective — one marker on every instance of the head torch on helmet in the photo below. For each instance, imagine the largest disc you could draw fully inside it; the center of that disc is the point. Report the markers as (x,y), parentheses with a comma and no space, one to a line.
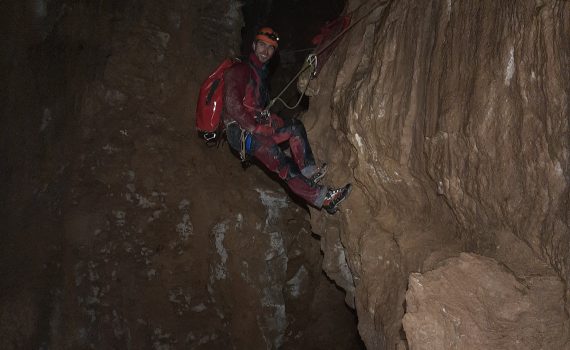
(268,35)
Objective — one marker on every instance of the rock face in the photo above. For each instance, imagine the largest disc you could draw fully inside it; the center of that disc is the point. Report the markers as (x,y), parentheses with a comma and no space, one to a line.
(451,119)
(472,302)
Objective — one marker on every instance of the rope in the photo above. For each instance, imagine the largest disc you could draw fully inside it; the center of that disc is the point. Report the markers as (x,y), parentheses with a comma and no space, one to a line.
(243,148)
(312,58)
(295,51)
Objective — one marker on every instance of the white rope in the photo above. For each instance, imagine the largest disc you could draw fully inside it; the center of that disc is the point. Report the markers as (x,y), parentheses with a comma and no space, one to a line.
(312,60)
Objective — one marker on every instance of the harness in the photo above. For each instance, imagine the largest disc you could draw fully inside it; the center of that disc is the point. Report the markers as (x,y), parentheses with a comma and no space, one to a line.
(245,145)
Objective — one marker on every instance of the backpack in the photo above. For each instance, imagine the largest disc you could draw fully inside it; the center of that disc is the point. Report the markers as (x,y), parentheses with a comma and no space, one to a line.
(210,103)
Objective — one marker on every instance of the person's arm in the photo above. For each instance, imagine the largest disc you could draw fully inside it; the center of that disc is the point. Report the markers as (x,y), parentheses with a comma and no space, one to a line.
(235,85)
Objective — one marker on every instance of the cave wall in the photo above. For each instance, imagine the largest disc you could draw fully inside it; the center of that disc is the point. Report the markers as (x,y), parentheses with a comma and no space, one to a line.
(451,119)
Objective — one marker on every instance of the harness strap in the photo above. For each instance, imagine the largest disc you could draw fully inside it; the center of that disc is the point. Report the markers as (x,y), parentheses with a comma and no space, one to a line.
(245,145)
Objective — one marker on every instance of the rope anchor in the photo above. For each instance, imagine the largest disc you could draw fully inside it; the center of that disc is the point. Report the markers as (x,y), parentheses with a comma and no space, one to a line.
(312,58)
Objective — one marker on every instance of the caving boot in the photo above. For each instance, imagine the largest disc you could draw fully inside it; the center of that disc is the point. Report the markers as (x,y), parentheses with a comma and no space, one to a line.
(319,174)
(334,197)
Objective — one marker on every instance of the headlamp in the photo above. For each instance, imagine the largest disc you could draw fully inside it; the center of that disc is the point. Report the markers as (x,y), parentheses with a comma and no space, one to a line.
(272,36)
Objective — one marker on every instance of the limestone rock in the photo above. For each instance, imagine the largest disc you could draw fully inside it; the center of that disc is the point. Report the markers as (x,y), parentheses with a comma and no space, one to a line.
(472,302)
(451,119)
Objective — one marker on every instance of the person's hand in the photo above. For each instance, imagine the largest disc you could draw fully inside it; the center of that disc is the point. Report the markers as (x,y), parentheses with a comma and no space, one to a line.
(262,117)
(265,130)
(276,121)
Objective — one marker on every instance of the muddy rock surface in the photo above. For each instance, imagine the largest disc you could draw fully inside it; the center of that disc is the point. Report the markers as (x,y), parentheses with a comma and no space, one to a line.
(451,120)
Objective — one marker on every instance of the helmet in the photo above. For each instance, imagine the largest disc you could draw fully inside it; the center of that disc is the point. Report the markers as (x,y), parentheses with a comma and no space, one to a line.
(268,36)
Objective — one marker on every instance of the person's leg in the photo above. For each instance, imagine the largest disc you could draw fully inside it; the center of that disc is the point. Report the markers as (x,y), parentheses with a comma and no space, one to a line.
(274,159)
(233,136)
(294,132)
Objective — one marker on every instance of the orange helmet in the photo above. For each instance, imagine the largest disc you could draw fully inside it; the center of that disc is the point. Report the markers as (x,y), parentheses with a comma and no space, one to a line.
(268,35)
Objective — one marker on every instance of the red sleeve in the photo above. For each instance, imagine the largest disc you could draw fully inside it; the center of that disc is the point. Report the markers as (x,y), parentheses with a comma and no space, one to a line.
(235,84)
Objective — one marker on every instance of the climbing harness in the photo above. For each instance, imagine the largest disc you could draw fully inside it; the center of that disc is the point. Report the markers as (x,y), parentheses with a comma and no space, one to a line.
(311,61)
(245,145)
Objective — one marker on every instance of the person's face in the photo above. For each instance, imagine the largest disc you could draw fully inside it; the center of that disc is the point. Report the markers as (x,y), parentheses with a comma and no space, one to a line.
(263,51)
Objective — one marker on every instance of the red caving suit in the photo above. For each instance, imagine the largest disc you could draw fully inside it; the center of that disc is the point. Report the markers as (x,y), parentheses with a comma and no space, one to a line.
(245,97)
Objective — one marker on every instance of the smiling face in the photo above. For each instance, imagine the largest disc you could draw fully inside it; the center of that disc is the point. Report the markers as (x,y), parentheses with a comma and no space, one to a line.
(263,51)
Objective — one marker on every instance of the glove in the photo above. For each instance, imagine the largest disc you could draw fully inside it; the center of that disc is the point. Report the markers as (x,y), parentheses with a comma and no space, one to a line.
(264,130)
(262,117)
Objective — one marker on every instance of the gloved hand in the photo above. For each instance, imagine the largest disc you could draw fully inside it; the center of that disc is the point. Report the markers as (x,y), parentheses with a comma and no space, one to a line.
(262,117)
(265,130)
